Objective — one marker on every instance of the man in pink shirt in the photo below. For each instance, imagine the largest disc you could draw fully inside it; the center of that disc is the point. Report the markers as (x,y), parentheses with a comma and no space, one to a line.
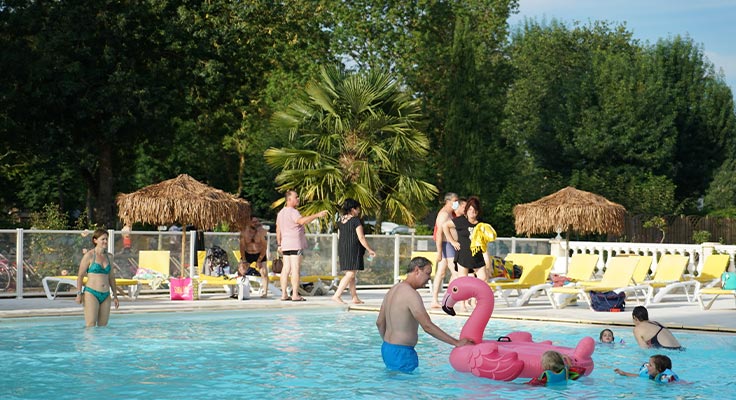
(292,241)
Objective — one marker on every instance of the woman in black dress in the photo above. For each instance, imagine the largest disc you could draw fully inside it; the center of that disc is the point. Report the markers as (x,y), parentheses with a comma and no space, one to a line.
(465,261)
(351,246)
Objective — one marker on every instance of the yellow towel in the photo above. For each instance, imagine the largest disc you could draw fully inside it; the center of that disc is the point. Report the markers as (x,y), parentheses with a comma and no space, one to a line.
(482,235)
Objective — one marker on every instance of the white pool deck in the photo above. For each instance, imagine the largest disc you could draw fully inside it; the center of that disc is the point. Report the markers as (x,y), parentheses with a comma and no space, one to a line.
(675,313)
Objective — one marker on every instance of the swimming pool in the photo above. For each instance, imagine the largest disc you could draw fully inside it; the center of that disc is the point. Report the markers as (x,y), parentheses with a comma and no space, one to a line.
(307,354)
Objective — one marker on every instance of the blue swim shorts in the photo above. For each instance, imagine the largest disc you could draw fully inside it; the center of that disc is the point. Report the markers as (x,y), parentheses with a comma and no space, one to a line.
(448,251)
(398,357)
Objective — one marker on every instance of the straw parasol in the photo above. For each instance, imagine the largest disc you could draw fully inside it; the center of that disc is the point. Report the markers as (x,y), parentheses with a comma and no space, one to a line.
(568,210)
(182,200)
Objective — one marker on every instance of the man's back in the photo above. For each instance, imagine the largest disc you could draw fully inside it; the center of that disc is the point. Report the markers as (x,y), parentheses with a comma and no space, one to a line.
(401,325)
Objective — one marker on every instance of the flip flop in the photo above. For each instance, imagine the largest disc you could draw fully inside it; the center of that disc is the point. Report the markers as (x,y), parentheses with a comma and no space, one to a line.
(299,299)
(286,299)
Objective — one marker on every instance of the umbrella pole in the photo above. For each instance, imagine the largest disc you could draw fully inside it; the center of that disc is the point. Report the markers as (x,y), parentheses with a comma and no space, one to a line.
(567,249)
(183,246)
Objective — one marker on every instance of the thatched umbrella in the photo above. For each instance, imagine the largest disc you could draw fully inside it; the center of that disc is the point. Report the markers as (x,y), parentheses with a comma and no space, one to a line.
(182,200)
(568,210)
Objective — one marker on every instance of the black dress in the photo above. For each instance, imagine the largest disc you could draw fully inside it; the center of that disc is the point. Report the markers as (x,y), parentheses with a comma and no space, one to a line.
(349,248)
(464,257)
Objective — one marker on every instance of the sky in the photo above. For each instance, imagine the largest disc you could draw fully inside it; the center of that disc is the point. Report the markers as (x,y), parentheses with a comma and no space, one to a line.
(711,23)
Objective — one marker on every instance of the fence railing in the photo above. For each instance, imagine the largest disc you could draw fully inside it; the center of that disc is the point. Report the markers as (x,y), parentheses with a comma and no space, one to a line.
(41,253)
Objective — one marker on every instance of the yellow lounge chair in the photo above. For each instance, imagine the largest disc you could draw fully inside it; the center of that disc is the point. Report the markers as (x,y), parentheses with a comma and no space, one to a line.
(534,276)
(132,285)
(582,267)
(668,277)
(226,282)
(618,278)
(157,261)
(432,257)
(715,265)
(715,292)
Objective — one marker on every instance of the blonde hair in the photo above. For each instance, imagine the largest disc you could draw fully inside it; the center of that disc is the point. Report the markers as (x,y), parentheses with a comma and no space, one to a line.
(553,361)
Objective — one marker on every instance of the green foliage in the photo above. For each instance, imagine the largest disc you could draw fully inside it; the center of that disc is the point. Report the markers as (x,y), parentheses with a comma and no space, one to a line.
(700,237)
(355,135)
(422,230)
(50,218)
(658,223)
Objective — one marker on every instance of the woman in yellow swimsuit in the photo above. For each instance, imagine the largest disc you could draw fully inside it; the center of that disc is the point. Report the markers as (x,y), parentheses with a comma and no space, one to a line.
(96,266)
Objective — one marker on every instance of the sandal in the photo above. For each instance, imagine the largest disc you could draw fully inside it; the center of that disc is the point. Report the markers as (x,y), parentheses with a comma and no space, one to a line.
(299,299)
(285,299)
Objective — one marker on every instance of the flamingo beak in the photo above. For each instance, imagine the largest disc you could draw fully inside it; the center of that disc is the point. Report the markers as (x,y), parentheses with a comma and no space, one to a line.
(448,303)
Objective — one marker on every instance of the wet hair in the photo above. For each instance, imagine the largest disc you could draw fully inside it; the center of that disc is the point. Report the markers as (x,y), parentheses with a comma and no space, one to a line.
(600,337)
(417,263)
(473,201)
(449,196)
(553,361)
(348,205)
(661,362)
(98,234)
(640,313)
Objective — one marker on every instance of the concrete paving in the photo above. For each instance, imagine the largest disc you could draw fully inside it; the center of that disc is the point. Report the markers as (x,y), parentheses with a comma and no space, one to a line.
(675,313)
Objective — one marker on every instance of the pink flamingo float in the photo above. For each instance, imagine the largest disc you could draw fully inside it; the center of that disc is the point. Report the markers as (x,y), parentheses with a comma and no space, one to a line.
(512,356)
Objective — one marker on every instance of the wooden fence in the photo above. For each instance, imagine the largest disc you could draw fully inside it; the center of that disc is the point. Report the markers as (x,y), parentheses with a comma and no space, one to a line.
(680,229)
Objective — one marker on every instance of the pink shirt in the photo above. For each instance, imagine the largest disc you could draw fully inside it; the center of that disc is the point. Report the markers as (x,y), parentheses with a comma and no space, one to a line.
(292,234)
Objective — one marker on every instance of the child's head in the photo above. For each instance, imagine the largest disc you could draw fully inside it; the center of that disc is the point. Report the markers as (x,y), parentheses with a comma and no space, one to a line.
(606,336)
(657,364)
(553,361)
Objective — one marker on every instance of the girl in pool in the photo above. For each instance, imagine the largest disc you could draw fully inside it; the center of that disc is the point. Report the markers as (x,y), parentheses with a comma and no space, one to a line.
(96,296)
(606,337)
(658,369)
(556,371)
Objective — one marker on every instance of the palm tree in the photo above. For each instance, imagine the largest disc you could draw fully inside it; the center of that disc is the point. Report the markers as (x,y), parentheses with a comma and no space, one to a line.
(355,135)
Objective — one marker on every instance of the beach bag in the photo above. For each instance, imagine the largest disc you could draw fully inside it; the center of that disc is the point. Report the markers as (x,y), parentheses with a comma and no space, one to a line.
(608,301)
(243,288)
(728,281)
(277,265)
(181,288)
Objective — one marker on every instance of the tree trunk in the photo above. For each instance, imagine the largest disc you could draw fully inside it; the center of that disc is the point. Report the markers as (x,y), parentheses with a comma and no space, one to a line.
(105,198)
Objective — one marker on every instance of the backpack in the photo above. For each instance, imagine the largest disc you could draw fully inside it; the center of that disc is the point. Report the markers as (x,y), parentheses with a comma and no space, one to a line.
(608,301)
(216,262)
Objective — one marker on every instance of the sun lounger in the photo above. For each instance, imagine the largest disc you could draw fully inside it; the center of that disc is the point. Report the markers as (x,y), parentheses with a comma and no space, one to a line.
(618,278)
(228,283)
(132,285)
(156,261)
(534,278)
(668,277)
(715,265)
(715,292)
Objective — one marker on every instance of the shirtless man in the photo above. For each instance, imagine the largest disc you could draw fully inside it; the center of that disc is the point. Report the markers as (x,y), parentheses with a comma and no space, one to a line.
(445,251)
(402,311)
(253,250)
(651,334)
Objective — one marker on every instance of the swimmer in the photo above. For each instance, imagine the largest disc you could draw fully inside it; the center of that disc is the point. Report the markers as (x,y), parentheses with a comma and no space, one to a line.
(659,369)
(556,371)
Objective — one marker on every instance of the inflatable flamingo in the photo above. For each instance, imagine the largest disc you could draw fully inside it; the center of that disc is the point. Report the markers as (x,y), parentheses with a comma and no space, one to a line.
(512,356)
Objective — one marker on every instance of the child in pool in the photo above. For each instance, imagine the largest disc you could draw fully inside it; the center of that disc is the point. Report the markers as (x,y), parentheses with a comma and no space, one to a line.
(556,371)
(658,369)
(606,337)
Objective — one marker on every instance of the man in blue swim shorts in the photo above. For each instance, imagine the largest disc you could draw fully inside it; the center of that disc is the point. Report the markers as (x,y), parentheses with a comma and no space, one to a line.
(401,314)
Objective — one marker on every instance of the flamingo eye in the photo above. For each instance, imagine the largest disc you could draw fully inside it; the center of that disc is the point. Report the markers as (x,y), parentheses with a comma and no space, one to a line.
(454,289)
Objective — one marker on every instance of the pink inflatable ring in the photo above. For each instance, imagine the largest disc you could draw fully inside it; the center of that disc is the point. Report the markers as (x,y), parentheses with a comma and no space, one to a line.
(514,355)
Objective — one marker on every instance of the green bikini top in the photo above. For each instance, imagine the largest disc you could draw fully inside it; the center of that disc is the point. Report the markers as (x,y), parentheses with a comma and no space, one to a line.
(96,268)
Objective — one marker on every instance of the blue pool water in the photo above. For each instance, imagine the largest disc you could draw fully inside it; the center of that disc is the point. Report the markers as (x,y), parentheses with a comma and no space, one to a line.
(309,355)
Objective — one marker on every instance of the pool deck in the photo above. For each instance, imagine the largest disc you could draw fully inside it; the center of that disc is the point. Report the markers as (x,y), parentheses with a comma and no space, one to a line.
(675,313)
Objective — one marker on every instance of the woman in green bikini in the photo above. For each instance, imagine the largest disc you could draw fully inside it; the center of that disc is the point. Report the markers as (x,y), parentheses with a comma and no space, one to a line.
(95,296)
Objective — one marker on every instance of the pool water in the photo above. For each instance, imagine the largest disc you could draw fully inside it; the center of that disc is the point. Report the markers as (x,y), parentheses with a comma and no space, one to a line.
(329,354)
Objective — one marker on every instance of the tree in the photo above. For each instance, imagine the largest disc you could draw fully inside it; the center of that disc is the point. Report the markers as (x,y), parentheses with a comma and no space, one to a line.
(355,135)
